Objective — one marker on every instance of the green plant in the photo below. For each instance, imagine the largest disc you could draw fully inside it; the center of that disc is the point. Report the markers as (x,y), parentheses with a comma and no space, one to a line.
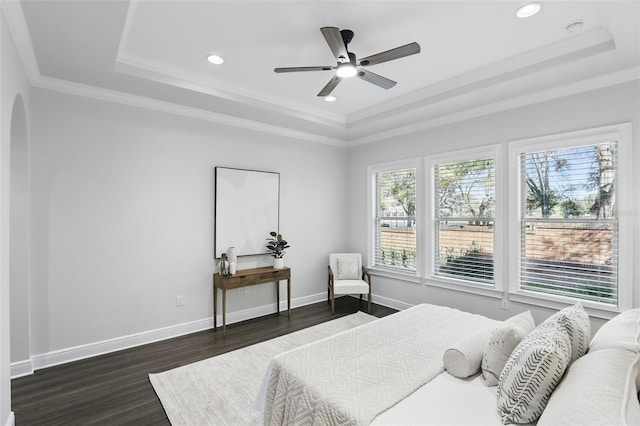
(276,245)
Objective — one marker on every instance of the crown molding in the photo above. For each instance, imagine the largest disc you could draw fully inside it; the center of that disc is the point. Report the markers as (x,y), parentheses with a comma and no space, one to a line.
(578,47)
(600,82)
(17,24)
(138,66)
(108,95)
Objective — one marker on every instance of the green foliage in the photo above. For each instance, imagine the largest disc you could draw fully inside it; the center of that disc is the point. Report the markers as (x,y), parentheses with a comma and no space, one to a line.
(276,245)
(466,188)
(469,263)
(571,208)
(393,257)
(400,186)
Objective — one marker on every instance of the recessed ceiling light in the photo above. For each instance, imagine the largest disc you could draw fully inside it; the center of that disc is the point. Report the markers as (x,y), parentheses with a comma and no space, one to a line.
(575,27)
(330,98)
(215,59)
(529,10)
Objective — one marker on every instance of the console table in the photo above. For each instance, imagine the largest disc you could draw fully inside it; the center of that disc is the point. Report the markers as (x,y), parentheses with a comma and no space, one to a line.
(245,278)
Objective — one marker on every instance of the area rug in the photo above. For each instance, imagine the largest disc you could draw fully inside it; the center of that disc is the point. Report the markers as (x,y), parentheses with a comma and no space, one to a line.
(222,390)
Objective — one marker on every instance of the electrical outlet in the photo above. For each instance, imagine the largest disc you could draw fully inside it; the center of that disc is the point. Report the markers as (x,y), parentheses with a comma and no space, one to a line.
(246,290)
(240,291)
(179,300)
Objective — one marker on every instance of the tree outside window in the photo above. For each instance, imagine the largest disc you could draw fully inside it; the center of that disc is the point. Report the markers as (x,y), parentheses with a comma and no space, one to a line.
(395,220)
(464,216)
(569,225)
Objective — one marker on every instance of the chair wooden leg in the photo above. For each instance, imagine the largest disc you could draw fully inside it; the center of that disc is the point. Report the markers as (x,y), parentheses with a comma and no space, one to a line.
(333,303)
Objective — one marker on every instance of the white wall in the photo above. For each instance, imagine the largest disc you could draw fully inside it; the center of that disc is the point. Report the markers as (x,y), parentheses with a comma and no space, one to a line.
(13,84)
(612,105)
(122,208)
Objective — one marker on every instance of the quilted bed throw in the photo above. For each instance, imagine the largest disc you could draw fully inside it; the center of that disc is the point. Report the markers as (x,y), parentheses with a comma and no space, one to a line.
(351,377)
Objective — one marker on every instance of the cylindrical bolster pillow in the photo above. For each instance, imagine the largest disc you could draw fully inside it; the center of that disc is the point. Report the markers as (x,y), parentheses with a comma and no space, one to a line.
(464,358)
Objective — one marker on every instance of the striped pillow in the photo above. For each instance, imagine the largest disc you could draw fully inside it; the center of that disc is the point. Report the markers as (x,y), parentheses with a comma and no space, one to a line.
(531,374)
(574,320)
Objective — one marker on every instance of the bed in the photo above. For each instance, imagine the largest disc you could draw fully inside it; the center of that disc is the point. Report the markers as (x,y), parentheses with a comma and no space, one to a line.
(391,371)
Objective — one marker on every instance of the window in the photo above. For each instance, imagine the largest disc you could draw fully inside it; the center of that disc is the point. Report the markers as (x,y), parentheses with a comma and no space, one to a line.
(569,229)
(463,212)
(393,234)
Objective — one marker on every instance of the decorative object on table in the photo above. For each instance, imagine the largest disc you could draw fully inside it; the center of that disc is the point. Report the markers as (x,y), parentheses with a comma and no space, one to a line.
(223,265)
(276,245)
(232,255)
(244,197)
(232,258)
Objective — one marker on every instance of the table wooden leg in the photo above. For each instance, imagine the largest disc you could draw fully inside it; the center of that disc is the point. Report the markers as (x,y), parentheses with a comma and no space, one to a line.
(224,311)
(278,297)
(215,308)
(289,297)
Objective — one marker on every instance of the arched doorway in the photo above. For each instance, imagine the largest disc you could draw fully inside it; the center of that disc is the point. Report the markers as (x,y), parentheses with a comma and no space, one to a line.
(19,240)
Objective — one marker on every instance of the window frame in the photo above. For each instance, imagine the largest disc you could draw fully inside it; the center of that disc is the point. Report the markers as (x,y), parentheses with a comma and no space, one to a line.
(372,205)
(494,151)
(622,134)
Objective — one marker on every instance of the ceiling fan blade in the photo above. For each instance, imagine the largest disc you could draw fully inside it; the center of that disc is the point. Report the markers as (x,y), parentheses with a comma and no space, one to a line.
(398,52)
(376,79)
(336,44)
(326,90)
(296,69)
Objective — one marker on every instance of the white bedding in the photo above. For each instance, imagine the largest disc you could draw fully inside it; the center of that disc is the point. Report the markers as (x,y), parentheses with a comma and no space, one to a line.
(354,376)
(445,401)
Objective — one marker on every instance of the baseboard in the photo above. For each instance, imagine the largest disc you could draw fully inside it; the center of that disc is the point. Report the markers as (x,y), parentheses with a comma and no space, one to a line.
(21,368)
(390,303)
(76,353)
(11,420)
(89,350)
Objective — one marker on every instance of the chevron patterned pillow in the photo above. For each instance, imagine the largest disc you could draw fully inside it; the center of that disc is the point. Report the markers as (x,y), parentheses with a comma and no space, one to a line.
(531,374)
(575,322)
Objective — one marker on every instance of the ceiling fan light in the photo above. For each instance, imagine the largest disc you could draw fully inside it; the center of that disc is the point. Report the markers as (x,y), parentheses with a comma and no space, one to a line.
(346,70)
(529,10)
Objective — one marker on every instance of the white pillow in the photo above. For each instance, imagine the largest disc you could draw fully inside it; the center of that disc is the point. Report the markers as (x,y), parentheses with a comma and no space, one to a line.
(574,320)
(347,268)
(501,343)
(622,331)
(598,389)
(463,358)
(532,372)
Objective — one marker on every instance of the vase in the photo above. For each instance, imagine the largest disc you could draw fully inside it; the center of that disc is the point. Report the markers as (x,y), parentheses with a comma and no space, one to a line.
(223,265)
(232,268)
(232,255)
(278,263)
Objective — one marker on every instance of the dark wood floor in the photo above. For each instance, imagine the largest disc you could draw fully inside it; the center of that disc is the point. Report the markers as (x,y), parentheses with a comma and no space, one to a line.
(114,389)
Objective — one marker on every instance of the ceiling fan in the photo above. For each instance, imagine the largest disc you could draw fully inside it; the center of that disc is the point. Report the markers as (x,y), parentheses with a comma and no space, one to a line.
(348,66)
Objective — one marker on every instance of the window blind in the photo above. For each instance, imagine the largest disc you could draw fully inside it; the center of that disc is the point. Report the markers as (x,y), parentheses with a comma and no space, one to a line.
(569,224)
(464,219)
(395,220)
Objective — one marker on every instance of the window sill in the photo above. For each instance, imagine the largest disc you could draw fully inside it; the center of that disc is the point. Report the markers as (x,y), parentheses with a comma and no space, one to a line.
(457,285)
(402,276)
(596,310)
